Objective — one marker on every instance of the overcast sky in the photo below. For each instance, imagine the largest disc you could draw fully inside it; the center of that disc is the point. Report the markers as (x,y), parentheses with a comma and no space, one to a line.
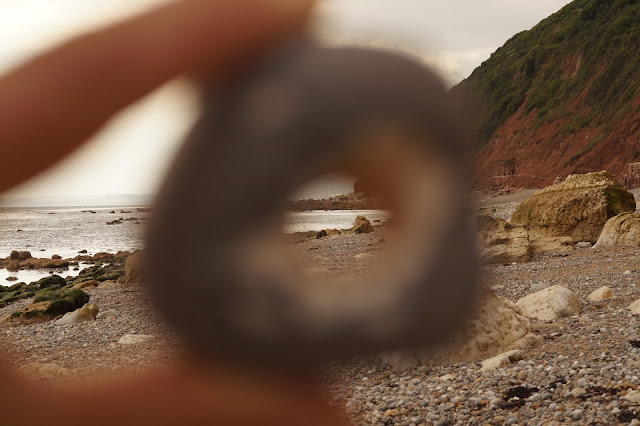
(130,155)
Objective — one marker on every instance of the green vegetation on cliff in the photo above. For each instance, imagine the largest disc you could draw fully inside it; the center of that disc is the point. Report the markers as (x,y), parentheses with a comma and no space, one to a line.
(580,64)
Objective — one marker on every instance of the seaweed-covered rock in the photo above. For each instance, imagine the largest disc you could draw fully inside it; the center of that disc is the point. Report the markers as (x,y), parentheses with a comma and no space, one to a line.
(85,284)
(52,280)
(49,305)
(578,208)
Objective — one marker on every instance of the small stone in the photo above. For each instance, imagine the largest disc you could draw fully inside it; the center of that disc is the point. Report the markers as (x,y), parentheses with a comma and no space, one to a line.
(131,339)
(577,414)
(502,360)
(107,314)
(583,245)
(600,294)
(364,256)
(632,396)
(578,392)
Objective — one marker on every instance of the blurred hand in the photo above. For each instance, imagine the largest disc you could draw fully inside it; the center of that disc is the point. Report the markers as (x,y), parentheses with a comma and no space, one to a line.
(51,105)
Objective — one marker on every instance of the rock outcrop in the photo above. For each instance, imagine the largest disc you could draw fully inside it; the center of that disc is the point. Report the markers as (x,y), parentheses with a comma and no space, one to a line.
(550,304)
(361,225)
(621,230)
(493,328)
(578,208)
(500,242)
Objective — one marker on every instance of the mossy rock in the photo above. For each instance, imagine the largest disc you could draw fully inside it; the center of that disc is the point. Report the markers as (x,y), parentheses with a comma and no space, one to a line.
(92,271)
(111,276)
(16,286)
(53,280)
(50,305)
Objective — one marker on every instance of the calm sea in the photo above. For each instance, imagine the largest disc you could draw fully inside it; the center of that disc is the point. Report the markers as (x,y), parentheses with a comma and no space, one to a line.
(67,230)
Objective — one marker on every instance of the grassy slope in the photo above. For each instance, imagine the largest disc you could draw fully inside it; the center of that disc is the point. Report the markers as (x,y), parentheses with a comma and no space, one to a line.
(534,69)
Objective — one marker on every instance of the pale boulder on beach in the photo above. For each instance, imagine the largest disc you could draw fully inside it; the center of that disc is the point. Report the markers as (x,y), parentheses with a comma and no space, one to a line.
(550,304)
(603,293)
(635,307)
(83,314)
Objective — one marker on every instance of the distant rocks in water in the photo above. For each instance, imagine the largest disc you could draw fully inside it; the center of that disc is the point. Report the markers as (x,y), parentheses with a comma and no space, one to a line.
(82,252)
(621,230)
(353,201)
(119,221)
(494,327)
(56,257)
(12,278)
(103,256)
(550,304)
(20,255)
(361,225)
(578,208)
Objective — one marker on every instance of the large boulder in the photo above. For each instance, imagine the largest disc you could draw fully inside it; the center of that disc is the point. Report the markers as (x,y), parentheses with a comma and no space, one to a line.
(621,230)
(578,208)
(501,242)
(133,268)
(34,263)
(550,304)
(361,225)
(492,328)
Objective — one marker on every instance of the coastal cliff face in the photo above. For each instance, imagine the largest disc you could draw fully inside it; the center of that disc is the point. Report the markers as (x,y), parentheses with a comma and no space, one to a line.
(559,99)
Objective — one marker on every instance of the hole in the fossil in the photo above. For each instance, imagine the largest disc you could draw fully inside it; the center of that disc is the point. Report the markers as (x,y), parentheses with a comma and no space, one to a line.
(338,226)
